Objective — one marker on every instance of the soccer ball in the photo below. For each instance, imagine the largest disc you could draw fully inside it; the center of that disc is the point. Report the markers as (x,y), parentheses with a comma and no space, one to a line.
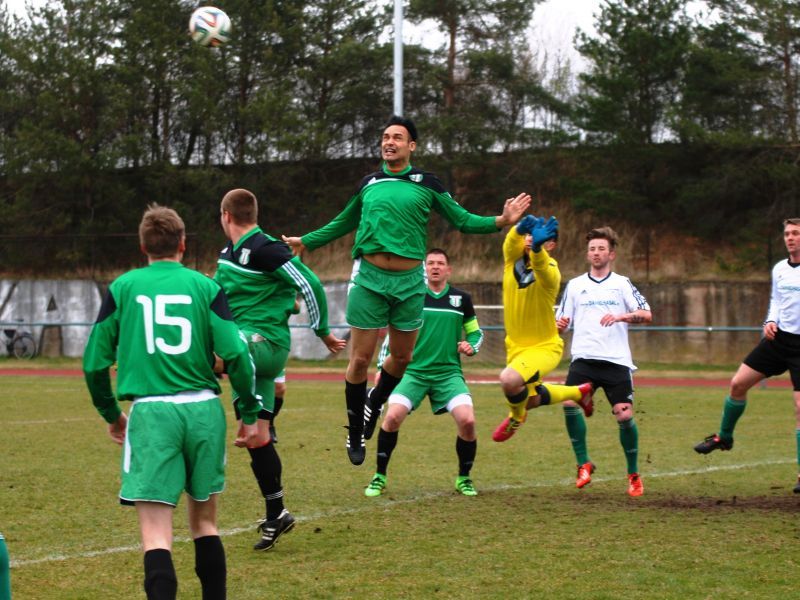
(210,26)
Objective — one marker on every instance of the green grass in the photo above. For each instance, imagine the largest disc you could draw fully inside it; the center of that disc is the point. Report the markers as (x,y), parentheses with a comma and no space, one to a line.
(726,370)
(724,525)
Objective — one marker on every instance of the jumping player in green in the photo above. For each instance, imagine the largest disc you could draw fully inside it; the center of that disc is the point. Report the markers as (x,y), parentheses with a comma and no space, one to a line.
(389,212)
(162,325)
(261,279)
(436,372)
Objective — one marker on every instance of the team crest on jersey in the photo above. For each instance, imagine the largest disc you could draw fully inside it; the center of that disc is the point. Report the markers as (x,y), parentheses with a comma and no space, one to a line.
(244,257)
(415,177)
(455,301)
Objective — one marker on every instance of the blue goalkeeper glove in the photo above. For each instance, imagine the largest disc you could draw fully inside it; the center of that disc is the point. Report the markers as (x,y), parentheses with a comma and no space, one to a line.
(527,223)
(544,232)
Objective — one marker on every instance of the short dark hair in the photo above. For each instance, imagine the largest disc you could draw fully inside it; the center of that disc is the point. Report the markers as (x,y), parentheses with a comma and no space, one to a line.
(438,251)
(161,231)
(242,206)
(791,221)
(603,233)
(404,122)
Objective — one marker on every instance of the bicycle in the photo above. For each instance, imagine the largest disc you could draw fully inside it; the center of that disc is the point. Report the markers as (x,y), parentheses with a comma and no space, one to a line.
(19,343)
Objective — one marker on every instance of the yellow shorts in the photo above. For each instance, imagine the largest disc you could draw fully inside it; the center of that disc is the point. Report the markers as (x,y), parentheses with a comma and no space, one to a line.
(533,363)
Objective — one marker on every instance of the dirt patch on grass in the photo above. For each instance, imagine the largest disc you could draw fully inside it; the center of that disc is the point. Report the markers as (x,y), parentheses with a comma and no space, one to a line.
(788,502)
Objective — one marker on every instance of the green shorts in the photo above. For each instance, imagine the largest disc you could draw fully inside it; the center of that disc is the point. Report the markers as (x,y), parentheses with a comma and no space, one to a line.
(174,443)
(377,297)
(445,392)
(270,361)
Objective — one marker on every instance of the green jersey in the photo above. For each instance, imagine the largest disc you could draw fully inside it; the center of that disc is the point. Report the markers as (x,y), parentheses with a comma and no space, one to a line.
(162,325)
(261,279)
(445,316)
(390,213)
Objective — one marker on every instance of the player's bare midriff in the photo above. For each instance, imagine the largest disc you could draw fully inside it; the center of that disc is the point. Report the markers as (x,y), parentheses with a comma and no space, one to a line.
(391,262)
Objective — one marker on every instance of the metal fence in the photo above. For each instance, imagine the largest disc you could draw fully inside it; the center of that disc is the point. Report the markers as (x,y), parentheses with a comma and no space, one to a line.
(721,345)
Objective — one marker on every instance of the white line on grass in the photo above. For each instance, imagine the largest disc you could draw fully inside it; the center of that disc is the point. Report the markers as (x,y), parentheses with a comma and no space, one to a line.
(49,421)
(371,506)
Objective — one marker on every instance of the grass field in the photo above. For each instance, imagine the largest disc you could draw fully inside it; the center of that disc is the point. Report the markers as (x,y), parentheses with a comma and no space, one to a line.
(724,525)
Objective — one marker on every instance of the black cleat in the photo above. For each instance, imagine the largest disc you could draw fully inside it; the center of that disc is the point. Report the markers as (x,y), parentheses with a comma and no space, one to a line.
(356,449)
(272,530)
(713,442)
(371,416)
(797,486)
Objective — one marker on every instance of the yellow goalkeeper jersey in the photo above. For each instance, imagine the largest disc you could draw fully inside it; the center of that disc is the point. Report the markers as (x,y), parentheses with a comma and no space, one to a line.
(528,311)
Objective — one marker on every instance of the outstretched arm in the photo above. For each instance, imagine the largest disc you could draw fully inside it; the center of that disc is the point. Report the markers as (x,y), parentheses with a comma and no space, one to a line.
(513,210)
(295,243)
(342,224)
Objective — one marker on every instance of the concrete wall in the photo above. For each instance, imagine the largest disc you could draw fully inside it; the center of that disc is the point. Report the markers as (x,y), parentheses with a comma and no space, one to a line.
(71,305)
(59,314)
(307,345)
(64,303)
(693,304)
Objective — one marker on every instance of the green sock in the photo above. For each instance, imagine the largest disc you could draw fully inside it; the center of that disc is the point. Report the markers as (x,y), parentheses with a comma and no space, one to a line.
(797,436)
(5,576)
(629,438)
(731,412)
(576,428)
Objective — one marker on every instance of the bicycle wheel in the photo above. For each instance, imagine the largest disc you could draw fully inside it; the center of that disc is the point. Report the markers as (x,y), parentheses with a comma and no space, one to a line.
(24,346)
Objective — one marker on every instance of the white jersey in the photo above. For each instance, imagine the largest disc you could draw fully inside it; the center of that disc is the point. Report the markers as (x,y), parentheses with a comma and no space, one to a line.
(585,301)
(784,301)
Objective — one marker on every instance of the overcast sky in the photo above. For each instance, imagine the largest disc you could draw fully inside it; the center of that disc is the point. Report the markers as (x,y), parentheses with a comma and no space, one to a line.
(554,21)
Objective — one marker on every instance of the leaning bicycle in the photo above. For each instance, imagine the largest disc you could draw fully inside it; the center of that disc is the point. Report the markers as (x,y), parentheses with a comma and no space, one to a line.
(19,343)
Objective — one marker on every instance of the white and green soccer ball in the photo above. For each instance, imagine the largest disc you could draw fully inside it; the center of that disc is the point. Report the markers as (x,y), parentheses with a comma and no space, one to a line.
(210,26)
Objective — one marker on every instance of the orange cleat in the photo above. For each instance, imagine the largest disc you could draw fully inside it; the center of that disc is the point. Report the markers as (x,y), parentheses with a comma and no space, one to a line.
(635,486)
(507,428)
(586,402)
(584,474)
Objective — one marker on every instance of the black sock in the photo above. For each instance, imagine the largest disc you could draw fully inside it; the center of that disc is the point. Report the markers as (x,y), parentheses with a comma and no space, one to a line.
(518,397)
(160,582)
(278,407)
(209,564)
(385,387)
(355,394)
(466,452)
(544,395)
(387,440)
(267,468)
